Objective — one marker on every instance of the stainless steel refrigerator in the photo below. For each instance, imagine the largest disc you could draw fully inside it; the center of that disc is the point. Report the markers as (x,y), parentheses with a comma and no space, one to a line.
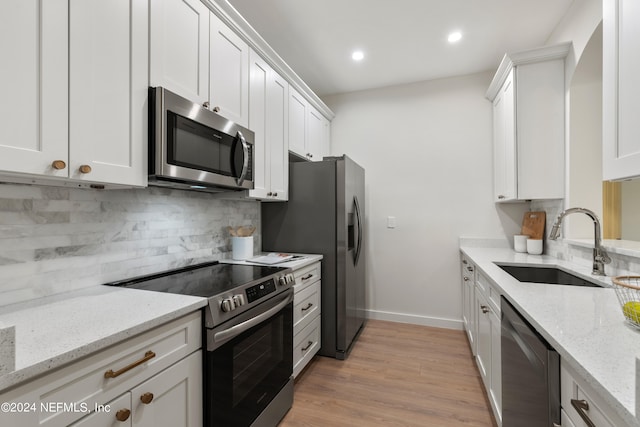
(325,215)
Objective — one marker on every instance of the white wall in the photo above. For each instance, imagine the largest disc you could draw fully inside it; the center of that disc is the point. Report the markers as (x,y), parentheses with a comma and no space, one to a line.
(427,152)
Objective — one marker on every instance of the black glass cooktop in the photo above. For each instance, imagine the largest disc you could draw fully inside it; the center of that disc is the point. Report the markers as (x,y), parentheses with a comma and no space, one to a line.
(203,280)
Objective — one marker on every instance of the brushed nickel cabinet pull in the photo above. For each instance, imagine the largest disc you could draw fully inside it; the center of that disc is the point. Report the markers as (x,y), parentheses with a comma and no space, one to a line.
(275,194)
(464,261)
(206,104)
(581,406)
(307,307)
(147,356)
(146,398)
(309,344)
(485,309)
(466,279)
(307,277)
(85,169)
(58,164)
(269,194)
(123,415)
(500,197)
(470,268)
(216,109)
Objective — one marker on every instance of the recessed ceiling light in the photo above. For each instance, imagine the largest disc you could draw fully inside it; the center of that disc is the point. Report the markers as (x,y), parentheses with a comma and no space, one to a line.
(454,37)
(357,55)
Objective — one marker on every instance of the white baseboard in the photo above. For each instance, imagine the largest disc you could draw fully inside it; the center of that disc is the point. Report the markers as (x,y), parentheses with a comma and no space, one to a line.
(435,322)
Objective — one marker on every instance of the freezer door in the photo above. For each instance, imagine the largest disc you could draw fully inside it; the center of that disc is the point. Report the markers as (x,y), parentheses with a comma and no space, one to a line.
(350,286)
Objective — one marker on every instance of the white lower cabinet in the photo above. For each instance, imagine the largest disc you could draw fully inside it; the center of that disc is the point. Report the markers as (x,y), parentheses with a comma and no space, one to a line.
(153,379)
(306,315)
(488,342)
(581,403)
(469,301)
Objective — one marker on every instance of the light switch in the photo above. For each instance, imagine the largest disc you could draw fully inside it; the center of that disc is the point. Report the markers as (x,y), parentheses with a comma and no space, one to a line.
(391,222)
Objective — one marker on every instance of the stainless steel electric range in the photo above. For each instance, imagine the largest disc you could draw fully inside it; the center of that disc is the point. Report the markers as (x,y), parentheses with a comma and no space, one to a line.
(248,333)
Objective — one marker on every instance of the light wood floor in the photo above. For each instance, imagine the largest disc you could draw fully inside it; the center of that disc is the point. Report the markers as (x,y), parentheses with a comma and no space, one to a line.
(396,375)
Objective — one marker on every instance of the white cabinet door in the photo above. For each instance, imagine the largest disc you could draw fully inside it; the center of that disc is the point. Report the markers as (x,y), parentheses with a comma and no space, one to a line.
(278,135)
(116,413)
(108,72)
(34,86)
(504,141)
(298,107)
(621,89)
(229,73)
(315,134)
(173,397)
(495,383)
(259,80)
(268,119)
(483,339)
(179,48)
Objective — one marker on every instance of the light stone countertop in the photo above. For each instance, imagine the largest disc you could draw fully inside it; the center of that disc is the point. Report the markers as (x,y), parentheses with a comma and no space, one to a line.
(53,331)
(307,259)
(585,325)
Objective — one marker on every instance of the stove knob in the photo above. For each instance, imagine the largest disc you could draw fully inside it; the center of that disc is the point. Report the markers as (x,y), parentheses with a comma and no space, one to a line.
(227,305)
(238,300)
(282,281)
(290,278)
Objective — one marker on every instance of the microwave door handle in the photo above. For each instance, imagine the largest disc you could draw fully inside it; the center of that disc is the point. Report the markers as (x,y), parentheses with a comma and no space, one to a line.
(245,154)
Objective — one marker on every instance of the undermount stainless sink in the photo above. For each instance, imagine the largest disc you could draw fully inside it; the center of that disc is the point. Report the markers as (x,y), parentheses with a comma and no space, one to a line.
(551,275)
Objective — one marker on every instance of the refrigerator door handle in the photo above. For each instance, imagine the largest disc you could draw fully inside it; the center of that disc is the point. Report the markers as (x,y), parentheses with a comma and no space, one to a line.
(359,220)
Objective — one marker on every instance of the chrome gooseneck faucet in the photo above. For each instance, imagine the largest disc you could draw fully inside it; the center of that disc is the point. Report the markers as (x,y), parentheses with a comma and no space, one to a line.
(600,257)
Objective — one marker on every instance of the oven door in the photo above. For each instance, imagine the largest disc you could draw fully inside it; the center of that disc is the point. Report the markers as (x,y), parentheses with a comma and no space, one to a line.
(248,362)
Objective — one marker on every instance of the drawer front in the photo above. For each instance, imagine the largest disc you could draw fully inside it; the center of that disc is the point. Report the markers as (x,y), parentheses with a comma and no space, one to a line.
(131,361)
(306,276)
(107,416)
(305,345)
(306,306)
(489,291)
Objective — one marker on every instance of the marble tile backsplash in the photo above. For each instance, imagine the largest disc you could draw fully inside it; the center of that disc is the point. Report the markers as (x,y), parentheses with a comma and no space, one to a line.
(54,240)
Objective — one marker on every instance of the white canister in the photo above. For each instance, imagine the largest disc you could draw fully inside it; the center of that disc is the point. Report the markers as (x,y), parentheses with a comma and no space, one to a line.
(534,246)
(520,242)
(242,247)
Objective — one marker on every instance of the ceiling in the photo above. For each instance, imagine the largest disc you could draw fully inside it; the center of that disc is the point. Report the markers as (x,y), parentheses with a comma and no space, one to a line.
(403,40)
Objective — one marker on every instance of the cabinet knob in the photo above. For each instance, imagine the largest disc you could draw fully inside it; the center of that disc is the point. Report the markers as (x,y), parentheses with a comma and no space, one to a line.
(484,308)
(146,398)
(466,279)
(275,194)
(123,415)
(85,169)
(216,109)
(58,164)
(501,197)
(206,104)
(269,194)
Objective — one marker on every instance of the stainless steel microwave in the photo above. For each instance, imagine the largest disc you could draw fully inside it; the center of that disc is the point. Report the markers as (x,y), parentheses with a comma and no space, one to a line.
(194,148)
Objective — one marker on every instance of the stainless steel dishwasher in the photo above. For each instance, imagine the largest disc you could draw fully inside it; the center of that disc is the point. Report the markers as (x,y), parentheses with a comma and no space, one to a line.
(530,374)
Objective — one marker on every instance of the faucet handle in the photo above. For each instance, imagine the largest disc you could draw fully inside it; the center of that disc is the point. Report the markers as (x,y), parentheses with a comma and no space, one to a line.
(602,256)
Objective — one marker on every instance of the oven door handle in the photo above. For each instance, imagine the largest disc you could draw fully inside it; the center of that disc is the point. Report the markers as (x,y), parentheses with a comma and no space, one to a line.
(236,330)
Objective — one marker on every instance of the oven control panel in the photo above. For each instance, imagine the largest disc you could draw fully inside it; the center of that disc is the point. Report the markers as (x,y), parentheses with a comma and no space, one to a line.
(261,289)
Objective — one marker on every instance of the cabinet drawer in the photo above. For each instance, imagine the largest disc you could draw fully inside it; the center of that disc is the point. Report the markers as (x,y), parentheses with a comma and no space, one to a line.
(306,306)
(573,387)
(306,276)
(305,345)
(489,291)
(84,382)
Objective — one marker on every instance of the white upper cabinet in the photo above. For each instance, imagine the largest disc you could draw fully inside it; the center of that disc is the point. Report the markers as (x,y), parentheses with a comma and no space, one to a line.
(179,48)
(108,75)
(528,94)
(268,118)
(34,86)
(308,128)
(229,73)
(621,89)
(78,90)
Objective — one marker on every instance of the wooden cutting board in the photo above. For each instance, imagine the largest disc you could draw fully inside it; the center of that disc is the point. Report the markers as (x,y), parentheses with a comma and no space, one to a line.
(533,224)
